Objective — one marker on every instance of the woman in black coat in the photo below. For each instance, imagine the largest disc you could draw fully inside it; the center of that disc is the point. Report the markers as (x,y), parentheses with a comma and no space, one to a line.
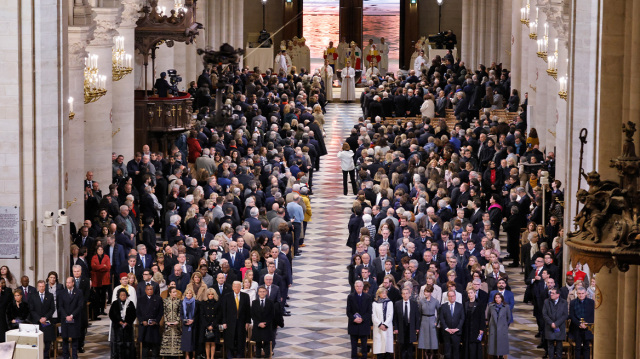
(473,328)
(492,178)
(18,311)
(209,322)
(6,296)
(122,314)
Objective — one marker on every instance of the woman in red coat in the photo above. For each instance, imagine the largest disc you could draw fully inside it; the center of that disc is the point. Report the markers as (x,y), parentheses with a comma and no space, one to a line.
(100,280)
(195,150)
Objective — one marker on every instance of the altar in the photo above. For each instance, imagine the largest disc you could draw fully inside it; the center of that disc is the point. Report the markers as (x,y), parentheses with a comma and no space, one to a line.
(258,56)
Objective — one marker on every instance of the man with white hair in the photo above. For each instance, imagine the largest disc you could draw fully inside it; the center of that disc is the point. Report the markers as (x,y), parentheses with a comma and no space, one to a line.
(206,161)
(254,222)
(375,108)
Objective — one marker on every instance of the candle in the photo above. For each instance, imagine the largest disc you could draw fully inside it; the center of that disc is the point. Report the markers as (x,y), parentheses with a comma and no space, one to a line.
(536,13)
(546,29)
(70,104)
(556,41)
(550,62)
(128,60)
(522,12)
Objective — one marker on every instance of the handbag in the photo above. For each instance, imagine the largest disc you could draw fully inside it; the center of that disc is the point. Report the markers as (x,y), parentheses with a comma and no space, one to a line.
(209,334)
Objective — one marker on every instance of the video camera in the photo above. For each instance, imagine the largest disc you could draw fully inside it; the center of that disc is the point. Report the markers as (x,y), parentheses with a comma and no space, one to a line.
(174,79)
(438,39)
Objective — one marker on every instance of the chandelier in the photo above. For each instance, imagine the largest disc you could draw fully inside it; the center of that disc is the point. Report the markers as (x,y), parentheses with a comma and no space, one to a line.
(94,83)
(533,27)
(552,68)
(543,44)
(121,61)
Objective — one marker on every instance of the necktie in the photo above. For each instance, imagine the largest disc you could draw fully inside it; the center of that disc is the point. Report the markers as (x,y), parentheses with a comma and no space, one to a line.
(406,312)
(237,303)
(26,292)
(269,290)
(41,298)
(262,303)
(130,269)
(233,259)
(452,305)
(220,289)
(77,283)
(143,266)
(70,292)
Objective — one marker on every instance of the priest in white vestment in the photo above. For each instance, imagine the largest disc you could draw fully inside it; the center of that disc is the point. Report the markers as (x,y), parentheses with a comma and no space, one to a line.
(304,54)
(383,49)
(342,49)
(326,74)
(420,63)
(348,90)
(282,62)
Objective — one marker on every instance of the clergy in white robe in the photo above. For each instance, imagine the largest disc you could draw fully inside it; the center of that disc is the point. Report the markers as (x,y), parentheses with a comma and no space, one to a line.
(416,53)
(326,74)
(372,72)
(420,63)
(304,54)
(282,62)
(348,90)
(383,48)
(342,49)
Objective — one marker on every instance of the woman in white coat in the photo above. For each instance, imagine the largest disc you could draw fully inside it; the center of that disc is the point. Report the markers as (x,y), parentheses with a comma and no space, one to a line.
(348,168)
(382,319)
(428,108)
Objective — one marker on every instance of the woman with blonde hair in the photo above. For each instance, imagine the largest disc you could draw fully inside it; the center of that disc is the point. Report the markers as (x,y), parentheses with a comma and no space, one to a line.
(382,319)
(198,287)
(246,288)
(189,314)
(210,320)
(318,116)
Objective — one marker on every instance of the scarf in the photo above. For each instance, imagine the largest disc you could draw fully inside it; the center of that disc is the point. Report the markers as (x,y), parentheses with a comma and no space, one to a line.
(188,307)
(384,303)
(123,308)
(534,249)
(100,258)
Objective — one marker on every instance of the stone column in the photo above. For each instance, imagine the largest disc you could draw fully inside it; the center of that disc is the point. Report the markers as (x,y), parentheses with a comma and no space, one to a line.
(606,315)
(628,314)
(482,33)
(516,40)
(79,38)
(473,59)
(465,50)
(123,100)
(98,128)
(505,33)
(493,28)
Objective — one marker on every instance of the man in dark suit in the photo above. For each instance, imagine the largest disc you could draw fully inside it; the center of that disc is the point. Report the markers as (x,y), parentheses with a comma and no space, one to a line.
(451,321)
(235,259)
(202,236)
(70,304)
(26,289)
(149,237)
(375,109)
(116,255)
(555,313)
(42,307)
(181,279)
(149,312)
(221,287)
(387,270)
(83,284)
(273,291)
(406,323)
(236,317)
(146,280)
(83,240)
(143,260)
(581,312)
(367,278)
(359,310)
(482,297)
(131,267)
(262,314)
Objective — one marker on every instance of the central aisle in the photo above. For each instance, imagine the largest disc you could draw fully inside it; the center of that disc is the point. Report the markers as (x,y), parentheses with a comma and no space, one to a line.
(318,325)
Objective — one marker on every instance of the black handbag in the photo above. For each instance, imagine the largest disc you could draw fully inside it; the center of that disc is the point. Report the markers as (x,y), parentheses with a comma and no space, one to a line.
(209,334)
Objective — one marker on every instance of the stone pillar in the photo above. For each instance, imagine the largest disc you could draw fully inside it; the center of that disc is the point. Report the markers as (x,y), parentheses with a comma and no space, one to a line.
(505,33)
(473,59)
(79,38)
(229,25)
(627,339)
(465,50)
(122,125)
(98,124)
(516,40)
(481,38)
(493,28)
(606,315)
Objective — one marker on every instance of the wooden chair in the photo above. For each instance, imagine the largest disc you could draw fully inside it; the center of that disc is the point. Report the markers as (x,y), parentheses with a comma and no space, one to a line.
(252,349)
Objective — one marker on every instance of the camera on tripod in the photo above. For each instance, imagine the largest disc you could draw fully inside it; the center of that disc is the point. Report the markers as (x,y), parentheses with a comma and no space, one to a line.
(174,79)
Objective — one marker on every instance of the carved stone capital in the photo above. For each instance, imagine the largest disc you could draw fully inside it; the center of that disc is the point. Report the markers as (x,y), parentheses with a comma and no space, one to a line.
(79,39)
(557,13)
(131,13)
(107,21)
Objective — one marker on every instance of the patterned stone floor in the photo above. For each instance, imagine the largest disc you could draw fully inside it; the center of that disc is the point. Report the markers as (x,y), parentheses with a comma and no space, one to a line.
(317,327)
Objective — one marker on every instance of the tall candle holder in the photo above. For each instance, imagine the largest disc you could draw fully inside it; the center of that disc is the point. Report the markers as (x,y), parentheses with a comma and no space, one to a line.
(94,83)
(121,61)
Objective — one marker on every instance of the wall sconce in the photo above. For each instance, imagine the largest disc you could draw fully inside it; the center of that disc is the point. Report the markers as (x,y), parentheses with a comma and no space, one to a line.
(289,1)
(413,2)
(563,88)
(533,27)
(524,14)
(72,114)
